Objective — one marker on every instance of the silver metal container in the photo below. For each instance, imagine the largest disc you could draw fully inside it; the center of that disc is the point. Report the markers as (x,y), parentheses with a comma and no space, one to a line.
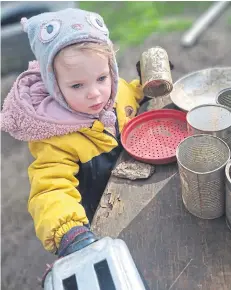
(201,161)
(105,264)
(228,193)
(224,98)
(210,119)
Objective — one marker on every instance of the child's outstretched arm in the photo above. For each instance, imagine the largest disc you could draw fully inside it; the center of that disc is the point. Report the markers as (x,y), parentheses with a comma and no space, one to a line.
(54,201)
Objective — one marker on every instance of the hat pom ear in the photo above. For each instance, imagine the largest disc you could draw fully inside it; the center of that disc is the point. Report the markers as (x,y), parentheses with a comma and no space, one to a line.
(24,23)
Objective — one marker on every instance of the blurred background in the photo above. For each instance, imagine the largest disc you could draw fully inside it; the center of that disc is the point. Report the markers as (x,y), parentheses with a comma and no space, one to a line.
(130,23)
(134,27)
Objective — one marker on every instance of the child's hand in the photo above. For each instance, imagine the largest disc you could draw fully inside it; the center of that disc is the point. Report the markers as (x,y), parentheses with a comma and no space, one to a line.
(77,238)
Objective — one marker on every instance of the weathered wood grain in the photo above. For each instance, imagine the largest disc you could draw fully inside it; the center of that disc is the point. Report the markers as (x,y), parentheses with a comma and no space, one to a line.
(173,249)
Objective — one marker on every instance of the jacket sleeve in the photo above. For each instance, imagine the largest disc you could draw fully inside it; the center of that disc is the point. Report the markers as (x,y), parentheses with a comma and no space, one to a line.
(138,90)
(54,201)
(131,90)
(128,97)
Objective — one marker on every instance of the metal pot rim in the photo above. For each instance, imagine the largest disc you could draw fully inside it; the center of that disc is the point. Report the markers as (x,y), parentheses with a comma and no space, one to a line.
(227,171)
(207,172)
(208,105)
(221,92)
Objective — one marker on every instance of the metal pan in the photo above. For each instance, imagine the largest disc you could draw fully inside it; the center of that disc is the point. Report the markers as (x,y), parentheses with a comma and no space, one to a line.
(200,87)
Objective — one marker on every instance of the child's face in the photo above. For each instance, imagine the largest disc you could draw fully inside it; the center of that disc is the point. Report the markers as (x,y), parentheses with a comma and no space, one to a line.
(84,80)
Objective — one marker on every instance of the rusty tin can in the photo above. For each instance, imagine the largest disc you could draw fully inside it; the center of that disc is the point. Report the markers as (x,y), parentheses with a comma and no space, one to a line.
(155,72)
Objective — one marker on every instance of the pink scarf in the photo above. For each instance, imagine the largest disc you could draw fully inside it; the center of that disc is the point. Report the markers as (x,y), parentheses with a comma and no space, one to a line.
(30,113)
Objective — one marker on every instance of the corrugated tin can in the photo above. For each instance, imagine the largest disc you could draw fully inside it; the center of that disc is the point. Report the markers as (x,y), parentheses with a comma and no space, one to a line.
(224,98)
(155,72)
(228,193)
(201,162)
(212,119)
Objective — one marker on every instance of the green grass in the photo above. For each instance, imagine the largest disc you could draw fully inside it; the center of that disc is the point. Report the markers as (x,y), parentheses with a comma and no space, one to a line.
(229,21)
(131,22)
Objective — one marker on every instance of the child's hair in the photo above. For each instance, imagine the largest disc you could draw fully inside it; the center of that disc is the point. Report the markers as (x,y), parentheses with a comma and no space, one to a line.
(101,49)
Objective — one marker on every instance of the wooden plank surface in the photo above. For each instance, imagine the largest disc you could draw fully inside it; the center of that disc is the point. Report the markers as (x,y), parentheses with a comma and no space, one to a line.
(123,199)
(173,249)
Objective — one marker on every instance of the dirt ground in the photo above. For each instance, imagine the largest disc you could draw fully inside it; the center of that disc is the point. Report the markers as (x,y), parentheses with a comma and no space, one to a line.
(23,258)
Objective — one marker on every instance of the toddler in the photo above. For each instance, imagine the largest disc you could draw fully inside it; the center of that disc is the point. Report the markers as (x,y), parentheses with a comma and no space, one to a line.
(70,106)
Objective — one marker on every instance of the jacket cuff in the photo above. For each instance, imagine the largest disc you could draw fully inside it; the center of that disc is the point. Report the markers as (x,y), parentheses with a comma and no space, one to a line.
(70,236)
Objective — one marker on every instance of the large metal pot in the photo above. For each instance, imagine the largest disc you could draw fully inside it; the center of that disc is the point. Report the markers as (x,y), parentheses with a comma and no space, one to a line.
(210,119)
(228,193)
(201,161)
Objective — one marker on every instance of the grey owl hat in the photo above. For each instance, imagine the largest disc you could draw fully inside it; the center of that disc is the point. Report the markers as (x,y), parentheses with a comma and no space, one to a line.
(49,32)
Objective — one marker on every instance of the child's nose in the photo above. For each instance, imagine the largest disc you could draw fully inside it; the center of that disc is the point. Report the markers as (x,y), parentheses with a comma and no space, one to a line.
(93,93)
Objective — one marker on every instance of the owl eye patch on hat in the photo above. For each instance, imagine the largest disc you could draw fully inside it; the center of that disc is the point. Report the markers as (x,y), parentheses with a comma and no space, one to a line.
(97,22)
(50,30)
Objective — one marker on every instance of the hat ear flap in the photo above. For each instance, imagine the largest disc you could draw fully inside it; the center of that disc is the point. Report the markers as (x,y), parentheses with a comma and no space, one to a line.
(24,23)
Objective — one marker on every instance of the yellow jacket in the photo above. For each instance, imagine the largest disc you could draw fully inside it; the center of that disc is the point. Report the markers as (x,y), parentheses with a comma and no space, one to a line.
(73,168)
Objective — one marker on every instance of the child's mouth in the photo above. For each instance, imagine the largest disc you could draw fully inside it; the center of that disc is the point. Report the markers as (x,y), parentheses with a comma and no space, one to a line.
(96,107)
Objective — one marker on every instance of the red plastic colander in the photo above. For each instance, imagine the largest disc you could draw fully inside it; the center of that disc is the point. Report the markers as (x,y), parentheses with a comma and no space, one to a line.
(153,136)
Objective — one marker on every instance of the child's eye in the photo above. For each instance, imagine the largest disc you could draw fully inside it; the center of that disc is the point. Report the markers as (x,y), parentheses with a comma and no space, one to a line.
(76,86)
(101,79)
